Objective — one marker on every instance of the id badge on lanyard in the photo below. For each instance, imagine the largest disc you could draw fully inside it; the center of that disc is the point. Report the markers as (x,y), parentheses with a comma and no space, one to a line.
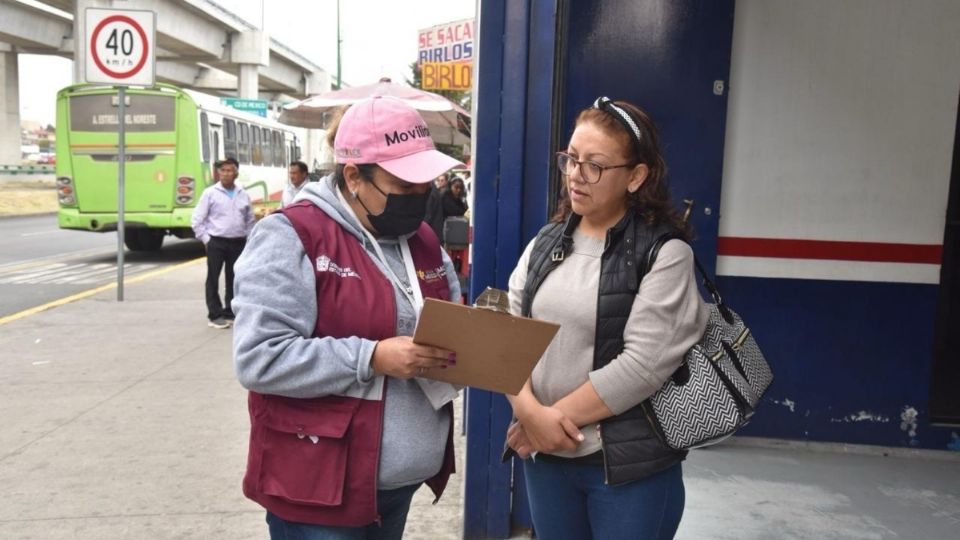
(412,292)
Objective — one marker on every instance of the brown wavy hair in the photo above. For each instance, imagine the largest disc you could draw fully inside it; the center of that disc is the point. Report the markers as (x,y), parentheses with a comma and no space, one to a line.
(652,202)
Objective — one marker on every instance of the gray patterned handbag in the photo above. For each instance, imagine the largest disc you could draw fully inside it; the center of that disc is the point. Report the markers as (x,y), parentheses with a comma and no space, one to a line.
(718,386)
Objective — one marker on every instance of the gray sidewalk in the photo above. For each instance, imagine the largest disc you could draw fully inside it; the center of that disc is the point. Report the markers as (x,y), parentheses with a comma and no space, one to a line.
(124,420)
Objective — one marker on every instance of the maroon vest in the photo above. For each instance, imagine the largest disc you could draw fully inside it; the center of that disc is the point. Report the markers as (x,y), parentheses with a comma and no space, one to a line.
(315,460)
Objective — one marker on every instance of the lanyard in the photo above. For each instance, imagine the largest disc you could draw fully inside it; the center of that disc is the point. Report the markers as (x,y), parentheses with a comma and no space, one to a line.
(412,292)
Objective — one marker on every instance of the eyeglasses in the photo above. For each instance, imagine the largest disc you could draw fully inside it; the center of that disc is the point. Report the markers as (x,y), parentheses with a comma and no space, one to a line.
(590,171)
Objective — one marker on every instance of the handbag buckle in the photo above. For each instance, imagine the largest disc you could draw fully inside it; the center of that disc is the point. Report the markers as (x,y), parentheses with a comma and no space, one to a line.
(738,344)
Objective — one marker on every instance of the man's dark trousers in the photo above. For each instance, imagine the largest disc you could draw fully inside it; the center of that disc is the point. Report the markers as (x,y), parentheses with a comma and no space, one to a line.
(221,252)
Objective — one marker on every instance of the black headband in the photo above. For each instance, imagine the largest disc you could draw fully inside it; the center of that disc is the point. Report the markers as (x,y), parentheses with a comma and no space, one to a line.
(604,104)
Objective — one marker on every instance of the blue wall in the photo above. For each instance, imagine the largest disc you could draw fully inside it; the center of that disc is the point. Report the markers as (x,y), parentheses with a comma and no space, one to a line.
(849,358)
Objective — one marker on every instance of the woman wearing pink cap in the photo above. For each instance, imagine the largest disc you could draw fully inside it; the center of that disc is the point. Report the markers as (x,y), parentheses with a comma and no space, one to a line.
(327,293)
(601,470)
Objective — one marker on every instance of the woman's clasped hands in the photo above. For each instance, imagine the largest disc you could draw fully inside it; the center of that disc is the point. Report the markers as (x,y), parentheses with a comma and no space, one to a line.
(544,429)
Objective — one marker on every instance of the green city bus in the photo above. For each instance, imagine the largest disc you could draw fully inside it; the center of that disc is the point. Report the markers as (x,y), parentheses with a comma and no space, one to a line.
(173,138)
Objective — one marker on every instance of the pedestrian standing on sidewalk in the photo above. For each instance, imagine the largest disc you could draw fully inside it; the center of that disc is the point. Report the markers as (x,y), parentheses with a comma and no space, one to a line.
(434,214)
(344,429)
(601,471)
(442,182)
(222,220)
(455,199)
(297,179)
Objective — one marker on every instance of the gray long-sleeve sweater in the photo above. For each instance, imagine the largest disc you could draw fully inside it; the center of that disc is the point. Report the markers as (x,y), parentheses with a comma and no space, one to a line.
(276,306)
(667,318)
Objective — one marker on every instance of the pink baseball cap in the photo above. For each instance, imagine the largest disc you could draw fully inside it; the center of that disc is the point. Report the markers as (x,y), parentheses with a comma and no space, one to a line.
(392,134)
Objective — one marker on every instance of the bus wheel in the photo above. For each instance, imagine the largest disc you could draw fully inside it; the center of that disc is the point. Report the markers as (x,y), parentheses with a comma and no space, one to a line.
(143,239)
(131,239)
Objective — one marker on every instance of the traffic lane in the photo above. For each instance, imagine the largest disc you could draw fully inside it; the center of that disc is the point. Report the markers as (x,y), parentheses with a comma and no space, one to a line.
(26,286)
(30,238)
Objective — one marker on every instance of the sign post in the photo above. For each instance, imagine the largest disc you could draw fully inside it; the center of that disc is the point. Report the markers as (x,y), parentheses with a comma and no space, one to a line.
(121,52)
(121,185)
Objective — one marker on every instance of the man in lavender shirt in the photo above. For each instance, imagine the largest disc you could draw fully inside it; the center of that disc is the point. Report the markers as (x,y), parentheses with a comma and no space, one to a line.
(222,220)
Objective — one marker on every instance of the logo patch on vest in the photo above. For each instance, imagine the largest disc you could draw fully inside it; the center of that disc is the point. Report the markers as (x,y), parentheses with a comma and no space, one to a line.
(433,275)
(324,264)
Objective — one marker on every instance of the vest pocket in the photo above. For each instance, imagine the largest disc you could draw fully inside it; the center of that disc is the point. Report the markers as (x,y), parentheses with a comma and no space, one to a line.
(305,449)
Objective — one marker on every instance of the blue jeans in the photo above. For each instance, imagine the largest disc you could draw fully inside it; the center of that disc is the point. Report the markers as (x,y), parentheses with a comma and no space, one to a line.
(569,501)
(393,506)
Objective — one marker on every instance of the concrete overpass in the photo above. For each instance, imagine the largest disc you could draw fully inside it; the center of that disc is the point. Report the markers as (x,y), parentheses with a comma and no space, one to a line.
(200,45)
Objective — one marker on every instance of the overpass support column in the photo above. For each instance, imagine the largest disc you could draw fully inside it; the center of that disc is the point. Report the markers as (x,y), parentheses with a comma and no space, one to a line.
(249,81)
(250,49)
(9,106)
(316,83)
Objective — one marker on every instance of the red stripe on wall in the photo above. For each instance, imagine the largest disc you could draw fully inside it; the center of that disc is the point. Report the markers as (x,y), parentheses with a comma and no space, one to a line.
(824,249)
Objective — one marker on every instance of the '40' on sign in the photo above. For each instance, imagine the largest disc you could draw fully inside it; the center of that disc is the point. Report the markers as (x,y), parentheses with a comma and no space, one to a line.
(120,46)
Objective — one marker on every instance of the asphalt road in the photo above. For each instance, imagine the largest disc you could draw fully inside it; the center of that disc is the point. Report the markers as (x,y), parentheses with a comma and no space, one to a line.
(40,262)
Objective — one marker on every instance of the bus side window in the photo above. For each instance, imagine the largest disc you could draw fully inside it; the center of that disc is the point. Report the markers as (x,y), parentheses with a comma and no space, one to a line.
(204,137)
(267,146)
(216,146)
(273,143)
(229,138)
(255,146)
(278,149)
(244,156)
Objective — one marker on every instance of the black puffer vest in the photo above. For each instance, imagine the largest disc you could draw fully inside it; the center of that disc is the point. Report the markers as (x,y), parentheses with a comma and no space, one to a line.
(632,448)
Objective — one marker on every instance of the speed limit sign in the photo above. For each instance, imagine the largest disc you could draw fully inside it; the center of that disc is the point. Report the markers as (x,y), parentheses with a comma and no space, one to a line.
(121,46)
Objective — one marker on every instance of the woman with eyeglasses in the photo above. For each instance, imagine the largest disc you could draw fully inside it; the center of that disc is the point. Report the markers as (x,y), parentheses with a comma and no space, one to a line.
(595,467)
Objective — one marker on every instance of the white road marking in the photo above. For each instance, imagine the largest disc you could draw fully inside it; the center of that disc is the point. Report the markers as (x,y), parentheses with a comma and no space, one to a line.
(38,233)
(31,263)
(65,274)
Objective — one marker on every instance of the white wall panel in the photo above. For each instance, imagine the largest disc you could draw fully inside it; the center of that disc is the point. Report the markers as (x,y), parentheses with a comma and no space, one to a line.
(841,120)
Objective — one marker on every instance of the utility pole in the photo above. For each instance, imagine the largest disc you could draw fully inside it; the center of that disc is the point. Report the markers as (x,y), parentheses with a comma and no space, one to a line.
(338,45)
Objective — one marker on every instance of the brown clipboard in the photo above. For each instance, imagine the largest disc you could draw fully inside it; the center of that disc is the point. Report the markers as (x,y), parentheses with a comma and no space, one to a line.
(495,351)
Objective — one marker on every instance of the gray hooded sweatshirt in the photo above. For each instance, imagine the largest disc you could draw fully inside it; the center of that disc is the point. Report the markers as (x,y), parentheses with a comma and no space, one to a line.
(275,303)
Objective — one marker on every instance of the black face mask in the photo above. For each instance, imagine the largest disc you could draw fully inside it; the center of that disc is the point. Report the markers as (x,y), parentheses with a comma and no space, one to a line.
(401,216)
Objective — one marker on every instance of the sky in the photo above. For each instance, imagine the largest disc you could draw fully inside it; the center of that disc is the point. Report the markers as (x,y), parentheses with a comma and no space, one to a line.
(379,38)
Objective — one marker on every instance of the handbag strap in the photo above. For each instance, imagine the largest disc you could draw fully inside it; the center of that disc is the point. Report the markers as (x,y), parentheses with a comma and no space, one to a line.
(707,282)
